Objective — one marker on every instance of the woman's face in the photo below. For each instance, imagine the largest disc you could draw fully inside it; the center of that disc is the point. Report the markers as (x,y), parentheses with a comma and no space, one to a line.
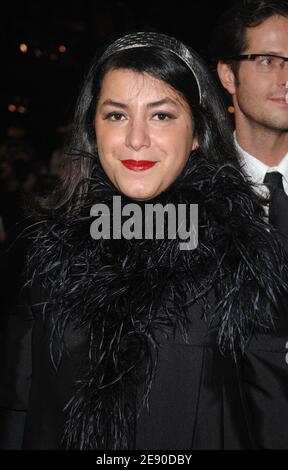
(144,132)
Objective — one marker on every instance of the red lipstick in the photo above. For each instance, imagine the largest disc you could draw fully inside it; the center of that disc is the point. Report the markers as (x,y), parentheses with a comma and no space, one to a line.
(138,165)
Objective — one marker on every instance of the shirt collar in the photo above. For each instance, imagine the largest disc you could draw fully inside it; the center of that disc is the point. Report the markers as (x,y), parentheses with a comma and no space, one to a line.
(256,169)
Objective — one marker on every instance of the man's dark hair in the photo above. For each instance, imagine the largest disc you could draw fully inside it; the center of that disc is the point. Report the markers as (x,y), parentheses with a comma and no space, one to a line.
(228,38)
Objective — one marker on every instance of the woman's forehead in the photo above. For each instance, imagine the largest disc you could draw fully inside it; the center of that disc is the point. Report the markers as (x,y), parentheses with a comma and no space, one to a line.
(133,85)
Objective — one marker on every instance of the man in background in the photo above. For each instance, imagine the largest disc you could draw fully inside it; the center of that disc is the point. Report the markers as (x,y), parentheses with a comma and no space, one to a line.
(250,45)
(250,48)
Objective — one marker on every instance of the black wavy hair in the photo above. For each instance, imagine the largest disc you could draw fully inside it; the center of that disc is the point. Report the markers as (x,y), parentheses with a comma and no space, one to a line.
(211,121)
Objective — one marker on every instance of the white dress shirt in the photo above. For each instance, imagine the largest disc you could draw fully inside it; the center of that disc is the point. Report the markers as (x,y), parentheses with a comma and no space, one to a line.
(256,170)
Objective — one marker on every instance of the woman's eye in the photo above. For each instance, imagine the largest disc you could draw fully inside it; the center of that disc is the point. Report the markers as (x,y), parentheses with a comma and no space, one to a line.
(115,116)
(163,116)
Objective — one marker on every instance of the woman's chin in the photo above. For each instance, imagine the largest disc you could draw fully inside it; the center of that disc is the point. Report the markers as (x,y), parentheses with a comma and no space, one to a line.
(143,194)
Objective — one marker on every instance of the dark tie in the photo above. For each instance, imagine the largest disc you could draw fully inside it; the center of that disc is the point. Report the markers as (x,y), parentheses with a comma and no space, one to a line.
(278,205)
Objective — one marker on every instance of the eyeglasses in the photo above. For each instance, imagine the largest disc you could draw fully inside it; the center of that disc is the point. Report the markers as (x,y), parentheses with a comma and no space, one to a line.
(264,62)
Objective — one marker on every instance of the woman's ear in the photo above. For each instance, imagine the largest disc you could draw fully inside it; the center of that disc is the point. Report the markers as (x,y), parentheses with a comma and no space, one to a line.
(227,77)
(195,143)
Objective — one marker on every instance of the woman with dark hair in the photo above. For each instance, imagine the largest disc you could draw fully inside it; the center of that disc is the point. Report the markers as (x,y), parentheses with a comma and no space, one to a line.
(138,343)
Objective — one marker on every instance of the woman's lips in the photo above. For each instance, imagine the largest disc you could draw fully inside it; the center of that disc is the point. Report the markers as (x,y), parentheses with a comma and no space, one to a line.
(138,165)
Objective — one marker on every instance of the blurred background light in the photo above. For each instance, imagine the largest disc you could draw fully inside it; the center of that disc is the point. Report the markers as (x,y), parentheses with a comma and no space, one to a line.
(12,108)
(22,109)
(23,47)
(62,48)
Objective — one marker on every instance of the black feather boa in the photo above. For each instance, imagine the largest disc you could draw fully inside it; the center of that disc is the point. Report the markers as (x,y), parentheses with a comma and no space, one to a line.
(120,292)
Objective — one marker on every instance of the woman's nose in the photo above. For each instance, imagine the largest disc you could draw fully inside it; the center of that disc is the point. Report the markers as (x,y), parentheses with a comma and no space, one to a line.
(137,134)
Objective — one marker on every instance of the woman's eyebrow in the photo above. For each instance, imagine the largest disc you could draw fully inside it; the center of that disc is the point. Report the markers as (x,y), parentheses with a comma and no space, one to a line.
(116,104)
(154,104)
(161,102)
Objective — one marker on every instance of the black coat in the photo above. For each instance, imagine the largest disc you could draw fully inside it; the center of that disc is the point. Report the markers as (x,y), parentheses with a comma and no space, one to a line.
(199,400)
(107,311)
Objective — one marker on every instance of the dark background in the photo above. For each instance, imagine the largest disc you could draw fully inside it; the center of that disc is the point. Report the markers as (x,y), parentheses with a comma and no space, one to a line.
(42,83)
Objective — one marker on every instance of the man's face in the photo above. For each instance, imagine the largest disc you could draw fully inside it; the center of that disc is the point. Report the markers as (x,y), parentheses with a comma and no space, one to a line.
(259,95)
